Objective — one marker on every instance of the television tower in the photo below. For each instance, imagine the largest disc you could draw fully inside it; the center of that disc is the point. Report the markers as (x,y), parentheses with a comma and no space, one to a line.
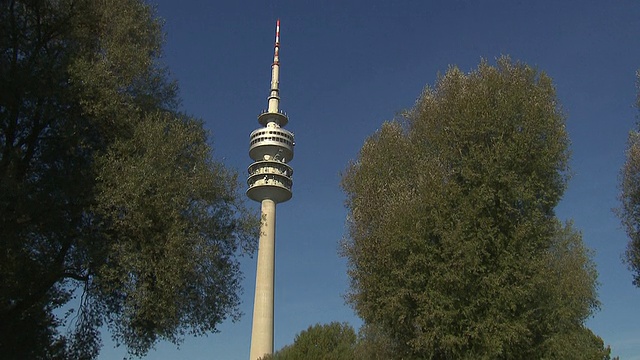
(270,182)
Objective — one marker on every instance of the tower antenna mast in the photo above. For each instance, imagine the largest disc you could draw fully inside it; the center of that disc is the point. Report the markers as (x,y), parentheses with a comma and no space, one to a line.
(270,182)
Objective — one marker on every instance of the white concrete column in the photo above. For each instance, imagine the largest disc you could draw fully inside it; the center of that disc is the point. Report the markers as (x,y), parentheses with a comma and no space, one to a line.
(262,329)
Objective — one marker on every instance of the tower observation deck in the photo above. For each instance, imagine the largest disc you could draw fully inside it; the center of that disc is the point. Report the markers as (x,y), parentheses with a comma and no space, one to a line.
(269,182)
(271,147)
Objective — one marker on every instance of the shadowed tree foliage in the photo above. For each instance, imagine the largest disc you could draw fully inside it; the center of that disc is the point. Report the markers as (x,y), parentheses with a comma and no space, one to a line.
(112,209)
(629,211)
(569,296)
(374,344)
(454,249)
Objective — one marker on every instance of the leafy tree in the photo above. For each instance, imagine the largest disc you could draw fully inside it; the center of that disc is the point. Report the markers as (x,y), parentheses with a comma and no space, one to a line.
(334,341)
(111,204)
(569,294)
(454,249)
(629,211)
(374,344)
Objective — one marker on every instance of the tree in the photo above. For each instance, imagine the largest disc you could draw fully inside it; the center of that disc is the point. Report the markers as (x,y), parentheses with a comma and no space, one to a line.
(569,294)
(334,341)
(629,211)
(337,341)
(374,344)
(452,232)
(111,204)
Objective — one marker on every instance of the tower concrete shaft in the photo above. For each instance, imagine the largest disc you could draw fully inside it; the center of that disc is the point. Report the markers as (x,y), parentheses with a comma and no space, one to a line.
(270,182)
(262,328)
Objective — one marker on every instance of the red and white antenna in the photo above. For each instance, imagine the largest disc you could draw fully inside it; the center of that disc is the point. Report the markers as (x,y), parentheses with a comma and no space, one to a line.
(277,45)
(274,98)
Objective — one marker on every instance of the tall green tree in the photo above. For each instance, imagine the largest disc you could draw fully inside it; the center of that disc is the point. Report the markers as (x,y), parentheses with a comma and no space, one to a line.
(111,203)
(629,211)
(374,344)
(454,249)
(334,341)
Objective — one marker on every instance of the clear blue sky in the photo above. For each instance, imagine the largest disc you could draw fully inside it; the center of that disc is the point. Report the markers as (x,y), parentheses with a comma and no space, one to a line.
(347,66)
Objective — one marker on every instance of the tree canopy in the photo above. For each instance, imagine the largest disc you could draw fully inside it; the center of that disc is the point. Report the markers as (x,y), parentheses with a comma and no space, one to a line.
(629,211)
(334,341)
(453,246)
(113,209)
(337,341)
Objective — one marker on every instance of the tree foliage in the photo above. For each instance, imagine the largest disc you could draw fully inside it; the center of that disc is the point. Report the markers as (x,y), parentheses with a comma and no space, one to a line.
(111,204)
(454,249)
(629,211)
(334,341)
(374,344)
